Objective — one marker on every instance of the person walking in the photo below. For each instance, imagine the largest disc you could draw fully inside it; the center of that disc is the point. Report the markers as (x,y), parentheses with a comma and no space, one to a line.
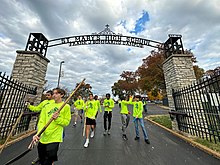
(99,108)
(125,114)
(51,138)
(78,112)
(109,105)
(38,108)
(138,117)
(90,113)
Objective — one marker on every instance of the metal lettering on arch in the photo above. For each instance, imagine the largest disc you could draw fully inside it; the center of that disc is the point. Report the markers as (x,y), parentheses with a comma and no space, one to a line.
(103,39)
(38,42)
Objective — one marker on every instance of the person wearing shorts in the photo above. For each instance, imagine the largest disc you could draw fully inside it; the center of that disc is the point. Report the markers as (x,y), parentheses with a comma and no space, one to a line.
(90,113)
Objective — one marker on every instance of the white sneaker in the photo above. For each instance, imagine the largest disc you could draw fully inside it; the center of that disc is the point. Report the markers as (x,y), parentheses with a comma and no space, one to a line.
(86,143)
(109,132)
(92,134)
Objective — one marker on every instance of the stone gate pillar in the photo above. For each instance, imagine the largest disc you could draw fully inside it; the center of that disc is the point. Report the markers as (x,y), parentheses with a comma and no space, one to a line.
(30,68)
(178,73)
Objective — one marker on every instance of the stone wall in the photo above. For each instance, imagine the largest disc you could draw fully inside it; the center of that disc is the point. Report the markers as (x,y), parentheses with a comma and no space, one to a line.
(30,68)
(178,73)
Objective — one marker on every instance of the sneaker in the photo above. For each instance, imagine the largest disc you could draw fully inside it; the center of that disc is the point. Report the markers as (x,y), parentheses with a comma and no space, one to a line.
(147,141)
(109,132)
(124,137)
(74,124)
(92,134)
(35,161)
(105,132)
(136,138)
(86,143)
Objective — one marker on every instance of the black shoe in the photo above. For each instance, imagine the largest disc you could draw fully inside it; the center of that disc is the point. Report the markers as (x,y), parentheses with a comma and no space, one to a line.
(124,137)
(147,141)
(136,138)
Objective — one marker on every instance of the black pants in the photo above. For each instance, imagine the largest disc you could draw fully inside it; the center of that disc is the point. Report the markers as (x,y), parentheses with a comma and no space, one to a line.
(107,115)
(47,153)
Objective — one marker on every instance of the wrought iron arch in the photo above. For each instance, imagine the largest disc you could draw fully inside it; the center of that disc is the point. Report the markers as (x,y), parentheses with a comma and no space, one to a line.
(38,42)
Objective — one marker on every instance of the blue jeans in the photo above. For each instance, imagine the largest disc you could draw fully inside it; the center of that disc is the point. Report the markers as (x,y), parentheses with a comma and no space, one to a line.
(141,120)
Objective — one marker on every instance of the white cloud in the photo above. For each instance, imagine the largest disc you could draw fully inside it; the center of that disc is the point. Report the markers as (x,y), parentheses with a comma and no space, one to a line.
(101,65)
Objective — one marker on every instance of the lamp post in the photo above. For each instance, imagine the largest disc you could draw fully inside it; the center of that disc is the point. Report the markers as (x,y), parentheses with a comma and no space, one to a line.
(58,84)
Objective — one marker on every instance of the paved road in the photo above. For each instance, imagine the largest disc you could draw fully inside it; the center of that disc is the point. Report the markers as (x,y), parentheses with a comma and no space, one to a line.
(165,148)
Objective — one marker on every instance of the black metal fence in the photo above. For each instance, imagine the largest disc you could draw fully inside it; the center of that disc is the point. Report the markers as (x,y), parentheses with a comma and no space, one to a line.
(201,103)
(12,103)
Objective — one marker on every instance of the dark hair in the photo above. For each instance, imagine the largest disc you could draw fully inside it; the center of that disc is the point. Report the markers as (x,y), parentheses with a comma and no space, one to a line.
(60,91)
(138,96)
(96,97)
(108,95)
(122,98)
(50,92)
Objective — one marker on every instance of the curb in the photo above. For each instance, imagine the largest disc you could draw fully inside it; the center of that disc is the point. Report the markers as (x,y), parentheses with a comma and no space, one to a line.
(19,138)
(190,141)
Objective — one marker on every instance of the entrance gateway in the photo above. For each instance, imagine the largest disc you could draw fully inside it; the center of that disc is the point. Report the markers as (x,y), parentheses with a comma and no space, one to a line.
(38,42)
(31,64)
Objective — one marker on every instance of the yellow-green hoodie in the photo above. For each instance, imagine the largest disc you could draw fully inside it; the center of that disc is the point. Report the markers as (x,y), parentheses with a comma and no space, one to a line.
(124,108)
(110,103)
(91,109)
(79,104)
(137,109)
(54,132)
(40,106)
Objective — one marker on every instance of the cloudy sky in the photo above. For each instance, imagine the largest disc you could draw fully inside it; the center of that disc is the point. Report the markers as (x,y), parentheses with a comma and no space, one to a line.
(198,21)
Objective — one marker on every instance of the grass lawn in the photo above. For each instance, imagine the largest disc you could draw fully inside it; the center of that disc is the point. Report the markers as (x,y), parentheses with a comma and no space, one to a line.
(166,121)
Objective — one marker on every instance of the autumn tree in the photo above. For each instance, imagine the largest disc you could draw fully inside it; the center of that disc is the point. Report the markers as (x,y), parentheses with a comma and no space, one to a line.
(151,73)
(199,72)
(84,91)
(127,85)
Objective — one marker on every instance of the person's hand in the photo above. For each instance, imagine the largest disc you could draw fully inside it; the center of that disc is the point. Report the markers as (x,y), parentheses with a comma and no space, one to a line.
(129,112)
(55,115)
(36,139)
(27,104)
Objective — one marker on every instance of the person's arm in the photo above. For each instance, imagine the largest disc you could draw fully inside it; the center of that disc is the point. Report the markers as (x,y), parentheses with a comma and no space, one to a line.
(112,104)
(37,108)
(64,117)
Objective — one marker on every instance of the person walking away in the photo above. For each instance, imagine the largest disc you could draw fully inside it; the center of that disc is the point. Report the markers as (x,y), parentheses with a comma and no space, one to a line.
(109,105)
(90,113)
(79,105)
(138,117)
(51,138)
(125,115)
